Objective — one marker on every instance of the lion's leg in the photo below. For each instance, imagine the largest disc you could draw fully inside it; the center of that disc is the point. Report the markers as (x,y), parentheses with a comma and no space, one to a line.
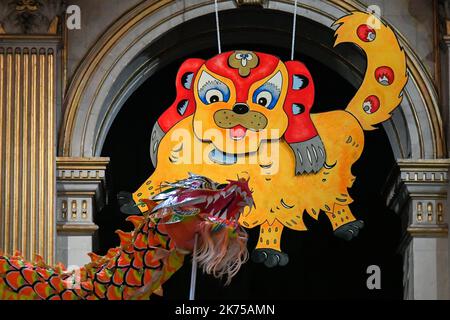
(268,249)
(130,203)
(339,216)
(344,223)
(270,235)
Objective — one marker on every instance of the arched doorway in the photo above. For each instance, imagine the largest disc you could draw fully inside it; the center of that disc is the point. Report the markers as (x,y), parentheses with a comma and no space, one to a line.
(134,51)
(322,266)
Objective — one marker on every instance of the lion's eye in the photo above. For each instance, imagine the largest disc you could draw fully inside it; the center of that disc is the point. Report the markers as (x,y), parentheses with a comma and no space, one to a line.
(268,94)
(264,98)
(213,96)
(212,90)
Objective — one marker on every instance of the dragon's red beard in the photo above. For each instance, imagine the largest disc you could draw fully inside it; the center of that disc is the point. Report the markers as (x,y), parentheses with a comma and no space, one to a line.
(220,253)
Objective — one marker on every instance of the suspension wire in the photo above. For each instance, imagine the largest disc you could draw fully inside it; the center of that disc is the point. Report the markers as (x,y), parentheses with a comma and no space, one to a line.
(294,26)
(194,270)
(216,8)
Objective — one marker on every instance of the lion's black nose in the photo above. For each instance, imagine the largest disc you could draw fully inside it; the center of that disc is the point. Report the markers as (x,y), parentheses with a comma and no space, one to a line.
(240,108)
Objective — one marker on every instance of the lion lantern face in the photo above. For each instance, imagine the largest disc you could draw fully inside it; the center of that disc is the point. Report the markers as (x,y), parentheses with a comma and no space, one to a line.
(242,98)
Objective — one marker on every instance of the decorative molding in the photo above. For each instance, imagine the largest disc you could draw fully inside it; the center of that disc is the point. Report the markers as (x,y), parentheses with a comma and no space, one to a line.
(77,228)
(417,191)
(31,16)
(81,169)
(258,3)
(428,232)
(80,189)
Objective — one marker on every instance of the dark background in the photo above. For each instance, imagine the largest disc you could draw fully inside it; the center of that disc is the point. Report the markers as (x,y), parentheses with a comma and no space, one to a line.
(321,266)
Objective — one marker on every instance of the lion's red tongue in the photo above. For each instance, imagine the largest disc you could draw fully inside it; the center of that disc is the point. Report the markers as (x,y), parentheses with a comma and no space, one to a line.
(238,132)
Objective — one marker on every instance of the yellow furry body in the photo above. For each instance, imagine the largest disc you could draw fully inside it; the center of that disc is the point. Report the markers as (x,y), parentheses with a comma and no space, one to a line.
(277,186)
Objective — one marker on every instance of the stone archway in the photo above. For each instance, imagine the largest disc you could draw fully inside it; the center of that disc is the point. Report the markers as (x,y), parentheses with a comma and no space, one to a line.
(120,62)
(116,60)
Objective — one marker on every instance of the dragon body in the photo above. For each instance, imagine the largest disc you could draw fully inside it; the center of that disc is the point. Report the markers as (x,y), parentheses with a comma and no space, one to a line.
(150,254)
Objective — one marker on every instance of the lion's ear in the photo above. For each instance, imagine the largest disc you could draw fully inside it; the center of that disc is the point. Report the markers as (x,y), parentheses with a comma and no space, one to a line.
(183,106)
(301,133)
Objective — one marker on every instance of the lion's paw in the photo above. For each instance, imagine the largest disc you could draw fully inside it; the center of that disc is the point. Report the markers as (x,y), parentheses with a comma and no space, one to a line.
(270,257)
(126,203)
(350,230)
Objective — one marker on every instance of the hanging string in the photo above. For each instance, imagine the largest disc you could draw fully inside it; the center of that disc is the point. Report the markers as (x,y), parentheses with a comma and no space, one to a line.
(194,270)
(294,26)
(216,8)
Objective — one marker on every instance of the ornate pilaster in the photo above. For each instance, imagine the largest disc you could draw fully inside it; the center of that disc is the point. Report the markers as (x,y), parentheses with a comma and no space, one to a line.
(417,191)
(30,95)
(28,106)
(80,190)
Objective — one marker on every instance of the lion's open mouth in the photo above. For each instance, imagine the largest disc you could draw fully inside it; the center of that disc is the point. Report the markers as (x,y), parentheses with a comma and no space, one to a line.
(238,132)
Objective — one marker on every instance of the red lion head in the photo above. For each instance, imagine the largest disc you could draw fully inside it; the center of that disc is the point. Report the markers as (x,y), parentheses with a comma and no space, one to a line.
(243,94)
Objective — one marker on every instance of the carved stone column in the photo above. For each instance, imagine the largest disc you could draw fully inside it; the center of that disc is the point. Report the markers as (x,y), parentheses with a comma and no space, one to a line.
(29,102)
(80,185)
(418,193)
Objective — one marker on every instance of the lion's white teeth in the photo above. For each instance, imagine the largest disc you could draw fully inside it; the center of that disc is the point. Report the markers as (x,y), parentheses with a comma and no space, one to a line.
(216,197)
(224,214)
(209,200)
(231,190)
(249,202)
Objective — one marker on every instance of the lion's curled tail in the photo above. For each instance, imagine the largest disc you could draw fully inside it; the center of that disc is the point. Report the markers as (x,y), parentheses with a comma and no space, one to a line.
(381,90)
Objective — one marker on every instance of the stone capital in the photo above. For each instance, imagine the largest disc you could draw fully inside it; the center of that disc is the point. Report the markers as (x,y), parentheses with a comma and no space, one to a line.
(80,189)
(417,191)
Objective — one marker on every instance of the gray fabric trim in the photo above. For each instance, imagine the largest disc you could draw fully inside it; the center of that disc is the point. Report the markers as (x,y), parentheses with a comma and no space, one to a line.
(310,155)
(156,137)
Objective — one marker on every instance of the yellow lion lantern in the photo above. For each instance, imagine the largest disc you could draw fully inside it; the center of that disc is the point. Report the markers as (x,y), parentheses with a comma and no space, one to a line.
(245,113)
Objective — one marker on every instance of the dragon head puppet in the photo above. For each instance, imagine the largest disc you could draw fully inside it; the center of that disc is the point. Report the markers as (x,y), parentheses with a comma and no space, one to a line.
(198,205)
